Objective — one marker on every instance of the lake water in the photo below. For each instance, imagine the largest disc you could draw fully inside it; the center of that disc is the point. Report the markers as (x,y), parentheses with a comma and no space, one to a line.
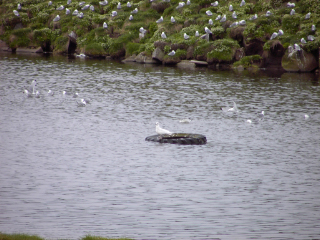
(67,171)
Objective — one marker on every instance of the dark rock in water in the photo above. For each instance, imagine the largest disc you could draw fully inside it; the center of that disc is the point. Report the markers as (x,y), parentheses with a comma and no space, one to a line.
(272,58)
(179,138)
(299,61)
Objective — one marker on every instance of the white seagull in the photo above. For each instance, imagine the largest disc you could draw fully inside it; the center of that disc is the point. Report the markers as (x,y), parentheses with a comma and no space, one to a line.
(289,4)
(135,10)
(80,15)
(274,35)
(180,5)
(234,24)
(280,32)
(60,8)
(310,38)
(243,2)
(85,7)
(234,15)
(172,53)
(82,103)
(68,2)
(161,131)
(75,12)
(49,3)
(160,20)
(302,40)
(268,14)
(129,4)
(209,13)
(19,6)
(186,36)
(57,18)
(313,27)
(218,17)
(197,34)
(163,35)
(234,108)
(254,17)
(207,30)
(308,15)
(103,3)
(292,12)
(242,22)
(114,13)
(130,18)
(67,11)
(119,5)
(215,4)
(15,12)
(224,18)
(92,8)
(210,22)
(230,8)
(172,19)
(50,93)
(105,25)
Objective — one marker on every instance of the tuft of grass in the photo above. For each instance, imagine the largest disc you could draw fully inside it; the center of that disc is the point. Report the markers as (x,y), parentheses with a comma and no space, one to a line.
(247,61)
(19,236)
(223,49)
(89,237)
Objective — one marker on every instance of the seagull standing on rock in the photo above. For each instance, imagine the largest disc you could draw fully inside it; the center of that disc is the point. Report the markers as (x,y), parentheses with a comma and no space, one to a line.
(161,131)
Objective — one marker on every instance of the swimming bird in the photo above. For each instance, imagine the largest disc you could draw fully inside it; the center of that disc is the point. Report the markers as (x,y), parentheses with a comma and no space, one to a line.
(60,8)
(119,5)
(280,32)
(135,10)
(209,13)
(105,25)
(186,36)
(37,94)
(81,55)
(160,20)
(197,34)
(19,6)
(92,8)
(180,5)
(163,35)
(161,131)
(85,7)
(172,53)
(313,27)
(215,4)
(306,116)
(274,35)
(233,109)
(249,121)
(185,120)
(254,17)
(224,18)
(26,92)
(242,22)
(130,18)
(234,24)
(230,8)
(50,93)
(57,18)
(114,13)
(308,15)
(234,15)
(103,3)
(67,11)
(302,40)
(243,2)
(218,17)
(207,30)
(68,2)
(80,15)
(210,22)
(15,12)
(75,12)
(75,95)
(268,14)
(310,38)
(172,19)
(129,5)
(292,12)
(82,103)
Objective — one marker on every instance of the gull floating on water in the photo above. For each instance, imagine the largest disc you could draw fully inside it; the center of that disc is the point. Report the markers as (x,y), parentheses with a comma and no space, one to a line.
(103,3)
(15,12)
(243,2)
(163,35)
(230,8)
(188,2)
(215,4)
(161,131)
(81,55)
(254,17)
(233,109)
(172,53)
(82,103)
(26,92)
(50,93)
(172,19)
(37,94)
(114,13)
(32,87)
(130,18)
(160,20)
(209,13)
(234,15)
(60,8)
(105,25)
(185,120)
(75,12)
(218,17)
(186,36)
(306,116)
(224,18)
(119,5)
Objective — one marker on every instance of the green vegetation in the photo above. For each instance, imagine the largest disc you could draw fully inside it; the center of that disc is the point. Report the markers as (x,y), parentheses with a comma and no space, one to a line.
(247,61)
(19,236)
(35,27)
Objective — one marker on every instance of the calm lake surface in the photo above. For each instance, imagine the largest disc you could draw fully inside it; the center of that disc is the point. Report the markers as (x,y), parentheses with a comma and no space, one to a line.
(67,171)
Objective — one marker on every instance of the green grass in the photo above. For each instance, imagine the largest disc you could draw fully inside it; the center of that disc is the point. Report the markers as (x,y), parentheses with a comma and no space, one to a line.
(19,236)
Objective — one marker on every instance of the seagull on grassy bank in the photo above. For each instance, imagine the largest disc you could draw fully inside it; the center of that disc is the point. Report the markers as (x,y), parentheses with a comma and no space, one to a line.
(197,34)
(180,5)
(209,13)
(207,30)
(85,7)
(161,131)
(60,8)
(254,17)
(313,27)
(172,53)
(210,22)
(129,5)
(163,35)
(114,13)
(67,11)
(49,3)
(310,38)
(308,15)
(130,18)
(274,35)
(243,2)
(92,8)
(160,20)
(218,18)
(215,4)
(75,12)
(242,22)
(280,32)
(224,18)
(303,41)
(105,25)
(230,8)
(268,14)
(103,3)
(135,11)
(234,15)
(68,2)
(186,36)
(290,5)
(15,12)
(82,3)
(234,24)
(119,5)
(292,12)
(172,19)
(80,15)
(19,6)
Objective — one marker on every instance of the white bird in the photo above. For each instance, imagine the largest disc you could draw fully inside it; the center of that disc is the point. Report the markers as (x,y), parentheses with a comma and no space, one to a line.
(207,30)
(82,3)
(130,18)
(135,10)
(308,15)
(114,13)
(57,18)
(313,27)
(142,30)
(218,17)
(163,35)
(243,2)
(215,4)
(290,49)
(289,4)
(242,22)
(230,8)
(234,15)
(280,32)
(296,47)
(81,55)
(254,17)
(15,12)
(161,131)
(224,18)
(310,38)
(234,24)
(75,12)
(68,2)
(49,3)
(185,120)
(197,34)
(75,95)
(306,116)
(303,41)
(103,3)
(37,94)
(160,20)
(209,13)
(234,108)
(129,4)
(172,19)
(60,8)
(19,6)
(82,103)
(32,87)
(80,15)
(26,92)
(268,14)
(274,35)
(105,25)
(85,7)
(210,22)
(119,5)
(188,2)
(50,93)
(172,53)
(249,121)
(292,12)
(186,36)
(180,5)
(92,8)
(67,11)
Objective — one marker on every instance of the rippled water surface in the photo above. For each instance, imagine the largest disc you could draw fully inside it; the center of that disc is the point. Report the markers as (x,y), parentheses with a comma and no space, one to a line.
(67,171)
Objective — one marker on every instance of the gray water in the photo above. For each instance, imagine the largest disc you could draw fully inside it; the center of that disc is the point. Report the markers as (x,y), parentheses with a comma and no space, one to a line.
(67,171)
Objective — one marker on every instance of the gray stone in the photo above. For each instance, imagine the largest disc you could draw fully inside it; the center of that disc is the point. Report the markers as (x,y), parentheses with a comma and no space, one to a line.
(158,54)
(298,61)
(186,64)
(142,58)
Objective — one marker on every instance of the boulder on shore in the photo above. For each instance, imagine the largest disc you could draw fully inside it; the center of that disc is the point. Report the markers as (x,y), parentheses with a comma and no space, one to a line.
(299,61)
